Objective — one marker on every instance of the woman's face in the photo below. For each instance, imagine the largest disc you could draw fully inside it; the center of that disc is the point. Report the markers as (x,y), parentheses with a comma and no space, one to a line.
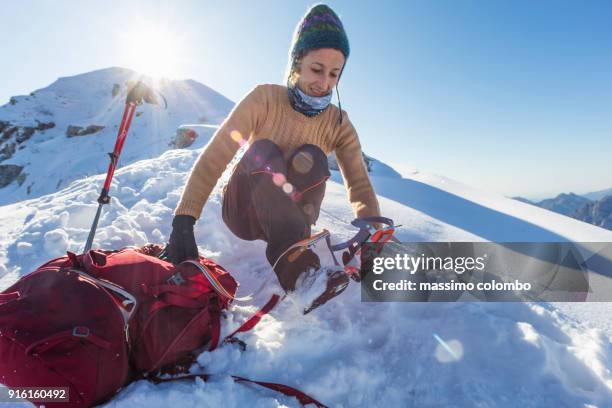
(319,71)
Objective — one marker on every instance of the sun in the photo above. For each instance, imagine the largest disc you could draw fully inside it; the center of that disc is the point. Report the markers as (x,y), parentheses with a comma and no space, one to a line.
(154,51)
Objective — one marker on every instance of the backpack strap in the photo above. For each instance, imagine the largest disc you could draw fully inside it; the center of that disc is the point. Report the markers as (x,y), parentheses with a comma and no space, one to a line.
(302,397)
(7,297)
(214,282)
(256,318)
(78,332)
(246,326)
(129,304)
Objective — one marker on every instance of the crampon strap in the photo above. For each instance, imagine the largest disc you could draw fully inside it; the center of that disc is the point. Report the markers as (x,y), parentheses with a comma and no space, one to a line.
(367,233)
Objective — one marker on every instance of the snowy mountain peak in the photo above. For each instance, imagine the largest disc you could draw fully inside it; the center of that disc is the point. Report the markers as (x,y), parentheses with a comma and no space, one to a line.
(81,114)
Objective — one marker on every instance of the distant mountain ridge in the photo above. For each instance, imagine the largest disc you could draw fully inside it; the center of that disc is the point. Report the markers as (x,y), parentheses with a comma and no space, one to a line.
(596,210)
(565,204)
(596,195)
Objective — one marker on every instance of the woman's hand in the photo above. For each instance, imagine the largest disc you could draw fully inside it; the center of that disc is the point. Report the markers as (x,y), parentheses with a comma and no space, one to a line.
(182,243)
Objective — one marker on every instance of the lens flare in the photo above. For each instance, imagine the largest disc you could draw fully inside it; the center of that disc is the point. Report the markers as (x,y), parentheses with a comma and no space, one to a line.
(448,352)
(308,209)
(279,179)
(288,188)
(237,137)
(302,162)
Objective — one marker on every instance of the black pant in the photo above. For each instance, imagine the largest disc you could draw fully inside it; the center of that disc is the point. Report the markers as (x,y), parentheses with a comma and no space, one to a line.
(273,200)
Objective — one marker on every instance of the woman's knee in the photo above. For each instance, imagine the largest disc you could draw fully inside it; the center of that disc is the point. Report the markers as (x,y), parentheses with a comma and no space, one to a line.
(261,154)
(308,156)
(264,148)
(307,165)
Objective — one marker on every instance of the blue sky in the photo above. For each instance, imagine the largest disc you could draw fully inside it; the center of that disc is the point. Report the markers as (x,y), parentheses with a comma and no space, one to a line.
(508,96)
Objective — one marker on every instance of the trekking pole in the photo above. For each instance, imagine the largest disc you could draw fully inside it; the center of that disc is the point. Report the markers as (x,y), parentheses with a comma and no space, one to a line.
(137,95)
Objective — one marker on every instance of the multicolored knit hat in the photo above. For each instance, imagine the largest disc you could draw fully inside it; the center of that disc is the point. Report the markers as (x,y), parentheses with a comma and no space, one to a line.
(319,28)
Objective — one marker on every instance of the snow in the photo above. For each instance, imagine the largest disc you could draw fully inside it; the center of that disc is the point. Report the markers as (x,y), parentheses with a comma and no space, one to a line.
(345,353)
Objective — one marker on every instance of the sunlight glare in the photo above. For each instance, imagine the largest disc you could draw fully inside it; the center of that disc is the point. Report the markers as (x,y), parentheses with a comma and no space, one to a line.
(154,51)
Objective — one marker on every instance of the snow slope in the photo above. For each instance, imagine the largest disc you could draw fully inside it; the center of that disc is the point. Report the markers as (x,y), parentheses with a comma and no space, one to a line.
(50,159)
(346,353)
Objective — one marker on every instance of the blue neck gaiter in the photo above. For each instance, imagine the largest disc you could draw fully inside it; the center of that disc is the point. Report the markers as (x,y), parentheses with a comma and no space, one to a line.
(306,104)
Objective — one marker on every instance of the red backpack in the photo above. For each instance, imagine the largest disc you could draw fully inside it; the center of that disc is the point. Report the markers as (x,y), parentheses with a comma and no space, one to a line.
(94,322)
(178,309)
(59,328)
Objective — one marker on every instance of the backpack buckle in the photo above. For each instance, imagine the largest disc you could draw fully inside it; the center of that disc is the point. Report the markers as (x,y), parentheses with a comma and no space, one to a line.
(176,279)
(80,331)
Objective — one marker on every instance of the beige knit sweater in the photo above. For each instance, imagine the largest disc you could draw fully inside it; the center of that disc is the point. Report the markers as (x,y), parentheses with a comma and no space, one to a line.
(265,113)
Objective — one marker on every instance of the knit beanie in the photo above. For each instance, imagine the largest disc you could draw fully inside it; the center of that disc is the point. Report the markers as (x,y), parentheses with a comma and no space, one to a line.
(319,28)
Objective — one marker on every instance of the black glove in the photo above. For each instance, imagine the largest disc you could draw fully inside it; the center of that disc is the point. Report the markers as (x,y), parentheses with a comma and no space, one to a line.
(182,244)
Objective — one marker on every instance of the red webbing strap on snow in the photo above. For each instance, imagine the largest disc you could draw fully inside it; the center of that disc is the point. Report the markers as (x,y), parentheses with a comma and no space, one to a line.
(253,320)
(303,398)
(246,326)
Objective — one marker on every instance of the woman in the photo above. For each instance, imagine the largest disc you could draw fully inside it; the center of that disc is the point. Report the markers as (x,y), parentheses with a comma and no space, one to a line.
(276,190)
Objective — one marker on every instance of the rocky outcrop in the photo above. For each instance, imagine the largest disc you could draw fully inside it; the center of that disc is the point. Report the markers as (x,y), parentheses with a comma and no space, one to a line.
(3,125)
(44,126)
(74,131)
(116,89)
(8,132)
(25,134)
(184,138)
(12,138)
(9,144)
(7,151)
(10,173)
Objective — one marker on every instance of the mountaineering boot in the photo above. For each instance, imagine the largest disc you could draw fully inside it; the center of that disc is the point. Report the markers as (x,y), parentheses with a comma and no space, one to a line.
(292,264)
(299,272)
